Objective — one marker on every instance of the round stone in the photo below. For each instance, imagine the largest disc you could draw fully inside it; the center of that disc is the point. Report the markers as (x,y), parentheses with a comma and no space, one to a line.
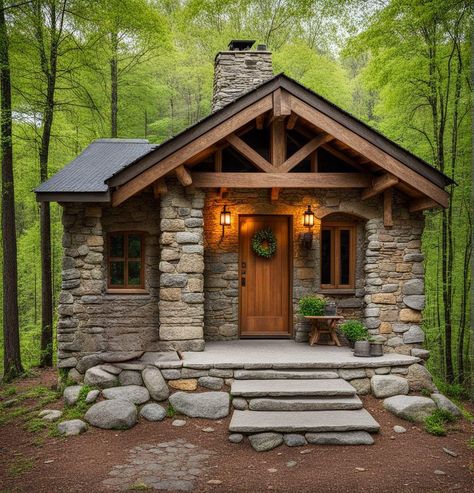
(153,412)
(399,429)
(178,422)
(236,438)
(131,393)
(112,414)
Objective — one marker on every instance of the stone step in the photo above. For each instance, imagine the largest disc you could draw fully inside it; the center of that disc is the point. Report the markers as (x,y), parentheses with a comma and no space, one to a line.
(305,403)
(302,421)
(289,388)
(282,374)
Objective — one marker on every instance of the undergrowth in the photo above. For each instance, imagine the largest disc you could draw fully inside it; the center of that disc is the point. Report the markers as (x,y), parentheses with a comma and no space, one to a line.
(435,423)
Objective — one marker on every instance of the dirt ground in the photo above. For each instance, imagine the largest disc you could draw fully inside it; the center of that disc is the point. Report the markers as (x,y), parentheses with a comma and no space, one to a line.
(37,462)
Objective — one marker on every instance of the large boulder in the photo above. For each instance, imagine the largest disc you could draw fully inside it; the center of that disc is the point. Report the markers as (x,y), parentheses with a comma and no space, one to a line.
(419,378)
(262,442)
(98,377)
(153,412)
(72,427)
(412,408)
(155,383)
(112,414)
(211,405)
(388,385)
(446,405)
(131,393)
(71,394)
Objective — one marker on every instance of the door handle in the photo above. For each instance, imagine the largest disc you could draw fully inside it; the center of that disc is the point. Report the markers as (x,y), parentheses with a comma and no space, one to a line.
(242,281)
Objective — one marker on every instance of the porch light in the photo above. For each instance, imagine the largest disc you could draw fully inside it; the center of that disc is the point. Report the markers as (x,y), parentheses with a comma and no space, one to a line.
(308,221)
(308,217)
(225,217)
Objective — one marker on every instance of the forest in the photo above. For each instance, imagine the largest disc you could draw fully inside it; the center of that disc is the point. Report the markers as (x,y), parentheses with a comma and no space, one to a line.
(72,71)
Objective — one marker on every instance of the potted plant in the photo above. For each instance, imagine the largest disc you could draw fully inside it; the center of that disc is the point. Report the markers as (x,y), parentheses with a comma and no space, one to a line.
(312,306)
(354,331)
(376,347)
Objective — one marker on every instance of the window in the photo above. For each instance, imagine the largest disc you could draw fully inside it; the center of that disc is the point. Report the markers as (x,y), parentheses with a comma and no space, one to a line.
(126,260)
(338,255)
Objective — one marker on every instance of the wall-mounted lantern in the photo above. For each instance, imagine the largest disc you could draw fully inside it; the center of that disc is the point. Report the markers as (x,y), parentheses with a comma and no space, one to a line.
(225,219)
(308,221)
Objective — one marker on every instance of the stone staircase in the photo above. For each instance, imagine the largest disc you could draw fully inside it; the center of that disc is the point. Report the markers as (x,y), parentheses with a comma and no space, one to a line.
(318,404)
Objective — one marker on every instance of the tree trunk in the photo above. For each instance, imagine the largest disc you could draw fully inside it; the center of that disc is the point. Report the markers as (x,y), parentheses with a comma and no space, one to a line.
(114,85)
(46,358)
(11,331)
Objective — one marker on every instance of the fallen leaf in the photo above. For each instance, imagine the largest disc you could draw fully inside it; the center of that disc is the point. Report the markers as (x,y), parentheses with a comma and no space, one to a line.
(450,452)
(360,469)
(214,481)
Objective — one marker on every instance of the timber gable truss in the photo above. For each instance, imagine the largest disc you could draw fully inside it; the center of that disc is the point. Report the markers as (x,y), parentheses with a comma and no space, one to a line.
(276,141)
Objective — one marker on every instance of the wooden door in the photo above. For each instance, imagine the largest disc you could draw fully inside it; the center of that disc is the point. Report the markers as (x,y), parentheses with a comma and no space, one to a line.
(265,282)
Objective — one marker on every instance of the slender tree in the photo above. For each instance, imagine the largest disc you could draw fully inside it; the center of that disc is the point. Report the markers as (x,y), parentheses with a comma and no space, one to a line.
(11,333)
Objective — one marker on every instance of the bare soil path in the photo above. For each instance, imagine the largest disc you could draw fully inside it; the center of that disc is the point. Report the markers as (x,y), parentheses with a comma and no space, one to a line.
(156,456)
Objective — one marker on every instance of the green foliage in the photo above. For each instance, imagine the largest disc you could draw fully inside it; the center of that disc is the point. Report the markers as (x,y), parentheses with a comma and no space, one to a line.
(311,306)
(436,421)
(170,411)
(354,330)
(264,243)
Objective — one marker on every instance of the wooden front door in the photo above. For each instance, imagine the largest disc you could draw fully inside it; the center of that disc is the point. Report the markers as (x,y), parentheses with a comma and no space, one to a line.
(265,282)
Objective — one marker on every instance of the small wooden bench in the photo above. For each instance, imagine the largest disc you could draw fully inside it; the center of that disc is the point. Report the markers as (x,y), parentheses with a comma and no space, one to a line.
(324,324)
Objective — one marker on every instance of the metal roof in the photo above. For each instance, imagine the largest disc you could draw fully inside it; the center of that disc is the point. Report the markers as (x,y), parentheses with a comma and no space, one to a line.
(99,161)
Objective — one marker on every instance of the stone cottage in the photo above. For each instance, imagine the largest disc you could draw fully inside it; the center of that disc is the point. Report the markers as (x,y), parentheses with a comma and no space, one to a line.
(161,242)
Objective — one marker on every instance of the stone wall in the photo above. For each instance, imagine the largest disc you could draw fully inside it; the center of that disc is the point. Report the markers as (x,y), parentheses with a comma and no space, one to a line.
(182,266)
(394,284)
(221,257)
(90,318)
(237,72)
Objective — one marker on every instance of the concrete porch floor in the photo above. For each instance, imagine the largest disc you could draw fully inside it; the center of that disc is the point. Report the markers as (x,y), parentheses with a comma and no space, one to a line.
(277,354)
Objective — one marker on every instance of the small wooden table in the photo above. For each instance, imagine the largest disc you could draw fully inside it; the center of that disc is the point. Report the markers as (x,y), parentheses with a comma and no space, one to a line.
(328,328)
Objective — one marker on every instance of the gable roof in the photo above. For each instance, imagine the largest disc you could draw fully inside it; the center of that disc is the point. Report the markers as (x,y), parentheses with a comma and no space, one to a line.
(137,156)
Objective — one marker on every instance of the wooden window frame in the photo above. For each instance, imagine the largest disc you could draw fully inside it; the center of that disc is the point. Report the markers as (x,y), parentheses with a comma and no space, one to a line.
(126,288)
(335,227)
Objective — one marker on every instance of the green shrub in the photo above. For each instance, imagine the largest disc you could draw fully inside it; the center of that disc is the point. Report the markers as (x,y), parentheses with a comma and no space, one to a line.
(435,422)
(312,306)
(354,330)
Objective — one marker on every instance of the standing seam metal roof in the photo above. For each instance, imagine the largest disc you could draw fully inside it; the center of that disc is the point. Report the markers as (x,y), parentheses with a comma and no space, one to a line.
(99,161)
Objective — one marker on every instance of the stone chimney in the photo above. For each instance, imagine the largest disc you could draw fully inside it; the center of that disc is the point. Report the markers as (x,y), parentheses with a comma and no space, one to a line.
(239,70)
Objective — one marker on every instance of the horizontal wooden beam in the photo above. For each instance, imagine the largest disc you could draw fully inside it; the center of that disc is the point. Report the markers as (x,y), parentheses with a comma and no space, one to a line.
(183,176)
(303,153)
(253,156)
(379,184)
(169,163)
(422,204)
(281,180)
(369,150)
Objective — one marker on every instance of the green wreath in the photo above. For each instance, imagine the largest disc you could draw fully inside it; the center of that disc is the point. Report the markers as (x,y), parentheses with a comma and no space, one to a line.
(264,243)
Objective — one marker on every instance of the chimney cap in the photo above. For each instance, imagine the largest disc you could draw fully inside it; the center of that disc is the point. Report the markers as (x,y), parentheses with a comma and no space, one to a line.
(241,44)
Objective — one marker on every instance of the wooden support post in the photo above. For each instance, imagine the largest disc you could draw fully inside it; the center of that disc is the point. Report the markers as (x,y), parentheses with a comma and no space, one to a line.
(183,176)
(274,194)
(260,122)
(281,104)
(291,122)
(277,143)
(159,188)
(218,161)
(223,191)
(387,208)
